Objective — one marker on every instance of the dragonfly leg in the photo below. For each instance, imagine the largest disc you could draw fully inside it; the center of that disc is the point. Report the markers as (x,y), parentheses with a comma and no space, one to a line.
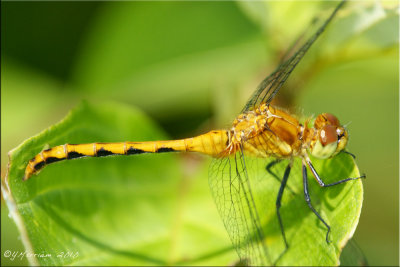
(269,167)
(308,200)
(321,183)
(279,199)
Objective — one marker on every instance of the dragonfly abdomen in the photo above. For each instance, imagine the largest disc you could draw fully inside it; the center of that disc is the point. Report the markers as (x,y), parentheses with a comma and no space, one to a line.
(212,143)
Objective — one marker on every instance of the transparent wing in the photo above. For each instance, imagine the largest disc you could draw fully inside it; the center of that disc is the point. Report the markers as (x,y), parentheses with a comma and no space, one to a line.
(268,88)
(352,255)
(232,192)
(245,195)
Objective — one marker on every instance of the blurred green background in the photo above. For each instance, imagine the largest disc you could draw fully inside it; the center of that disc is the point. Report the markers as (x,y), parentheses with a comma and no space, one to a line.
(192,65)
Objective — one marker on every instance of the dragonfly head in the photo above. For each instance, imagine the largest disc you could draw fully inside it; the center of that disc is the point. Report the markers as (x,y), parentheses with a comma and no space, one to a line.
(331,137)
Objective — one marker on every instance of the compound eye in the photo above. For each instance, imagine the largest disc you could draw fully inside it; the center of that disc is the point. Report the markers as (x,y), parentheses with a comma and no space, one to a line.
(332,119)
(328,135)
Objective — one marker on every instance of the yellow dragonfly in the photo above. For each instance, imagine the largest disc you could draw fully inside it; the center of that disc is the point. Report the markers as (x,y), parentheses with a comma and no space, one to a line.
(260,131)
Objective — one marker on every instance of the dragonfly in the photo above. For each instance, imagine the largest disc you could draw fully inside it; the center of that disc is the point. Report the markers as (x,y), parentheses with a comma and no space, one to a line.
(260,131)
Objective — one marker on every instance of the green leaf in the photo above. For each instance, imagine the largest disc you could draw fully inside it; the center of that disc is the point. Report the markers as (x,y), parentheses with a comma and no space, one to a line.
(116,210)
(157,209)
(340,206)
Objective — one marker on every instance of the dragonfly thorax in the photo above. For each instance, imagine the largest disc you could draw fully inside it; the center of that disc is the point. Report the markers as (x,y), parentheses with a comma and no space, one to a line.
(266,131)
(247,126)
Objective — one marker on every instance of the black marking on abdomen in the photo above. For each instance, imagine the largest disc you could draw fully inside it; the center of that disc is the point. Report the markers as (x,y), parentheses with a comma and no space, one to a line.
(165,149)
(52,159)
(103,152)
(132,151)
(39,165)
(74,155)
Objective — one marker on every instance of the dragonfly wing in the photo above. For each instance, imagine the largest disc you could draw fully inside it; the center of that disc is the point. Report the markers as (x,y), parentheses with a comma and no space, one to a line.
(232,192)
(270,86)
(352,255)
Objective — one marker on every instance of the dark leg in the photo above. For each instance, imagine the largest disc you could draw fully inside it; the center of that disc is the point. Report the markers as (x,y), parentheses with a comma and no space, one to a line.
(278,206)
(308,200)
(351,154)
(278,201)
(270,165)
(268,168)
(321,183)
